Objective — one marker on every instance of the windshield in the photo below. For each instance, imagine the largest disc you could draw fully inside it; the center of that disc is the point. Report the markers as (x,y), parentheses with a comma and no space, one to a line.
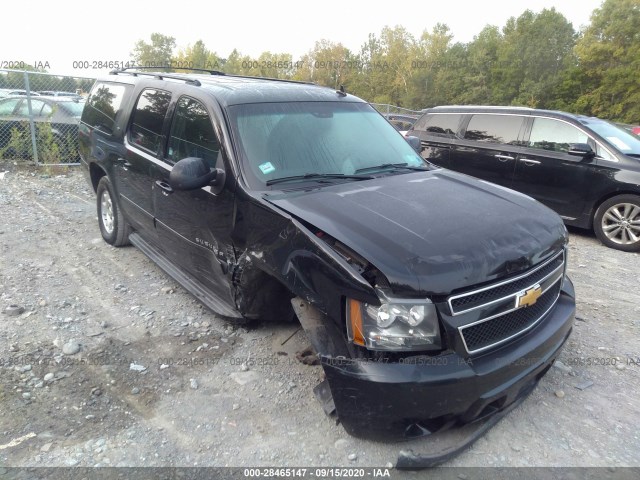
(281,140)
(622,140)
(73,108)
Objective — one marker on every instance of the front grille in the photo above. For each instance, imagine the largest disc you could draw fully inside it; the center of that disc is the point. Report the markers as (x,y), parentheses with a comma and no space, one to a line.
(478,298)
(500,329)
(494,314)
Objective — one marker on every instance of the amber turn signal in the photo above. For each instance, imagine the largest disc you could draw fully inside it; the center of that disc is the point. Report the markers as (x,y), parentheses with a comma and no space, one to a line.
(355,319)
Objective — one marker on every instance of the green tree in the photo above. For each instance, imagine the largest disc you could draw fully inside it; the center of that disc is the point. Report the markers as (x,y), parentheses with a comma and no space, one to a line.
(431,62)
(384,67)
(479,69)
(236,64)
(274,65)
(329,64)
(197,56)
(157,53)
(452,80)
(609,56)
(368,85)
(534,51)
(395,66)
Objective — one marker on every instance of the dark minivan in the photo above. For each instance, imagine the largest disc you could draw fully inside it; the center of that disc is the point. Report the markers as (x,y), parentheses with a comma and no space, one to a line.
(584,168)
(432,299)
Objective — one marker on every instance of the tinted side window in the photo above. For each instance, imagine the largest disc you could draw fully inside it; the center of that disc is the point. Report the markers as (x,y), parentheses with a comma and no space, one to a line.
(192,133)
(103,105)
(148,117)
(494,128)
(440,124)
(554,135)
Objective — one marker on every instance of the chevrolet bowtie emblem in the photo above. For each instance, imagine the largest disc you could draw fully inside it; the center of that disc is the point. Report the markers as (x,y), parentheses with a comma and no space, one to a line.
(527,298)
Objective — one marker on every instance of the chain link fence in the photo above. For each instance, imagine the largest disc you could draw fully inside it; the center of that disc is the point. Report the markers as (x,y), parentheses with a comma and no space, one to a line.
(401,118)
(39,116)
(386,110)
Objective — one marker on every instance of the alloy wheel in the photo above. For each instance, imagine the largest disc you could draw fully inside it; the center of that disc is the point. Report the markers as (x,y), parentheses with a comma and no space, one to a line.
(106,211)
(621,223)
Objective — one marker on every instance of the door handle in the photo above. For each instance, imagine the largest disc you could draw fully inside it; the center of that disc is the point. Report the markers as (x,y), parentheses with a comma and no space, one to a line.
(503,158)
(125,164)
(165,187)
(529,162)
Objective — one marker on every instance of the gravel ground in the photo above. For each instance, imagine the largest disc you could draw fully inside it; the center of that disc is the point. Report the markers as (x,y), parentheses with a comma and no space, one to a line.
(112,364)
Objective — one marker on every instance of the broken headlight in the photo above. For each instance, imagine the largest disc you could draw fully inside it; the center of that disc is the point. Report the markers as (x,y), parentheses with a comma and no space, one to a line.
(395,325)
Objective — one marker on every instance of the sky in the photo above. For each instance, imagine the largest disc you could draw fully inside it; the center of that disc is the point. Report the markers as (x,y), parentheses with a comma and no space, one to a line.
(57,35)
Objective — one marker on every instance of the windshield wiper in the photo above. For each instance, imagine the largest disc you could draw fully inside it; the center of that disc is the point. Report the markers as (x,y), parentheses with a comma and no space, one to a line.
(387,166)
(318,176)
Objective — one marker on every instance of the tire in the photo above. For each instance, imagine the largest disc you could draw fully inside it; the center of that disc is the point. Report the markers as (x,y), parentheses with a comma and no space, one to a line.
(113,227)
(617,223)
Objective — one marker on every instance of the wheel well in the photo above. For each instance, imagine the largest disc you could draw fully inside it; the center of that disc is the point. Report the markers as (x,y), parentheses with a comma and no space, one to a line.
(259,295)
(597,204)
(96,174)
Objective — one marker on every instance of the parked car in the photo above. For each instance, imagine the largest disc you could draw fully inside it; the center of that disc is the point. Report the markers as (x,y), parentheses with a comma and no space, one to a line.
(635,129)
(60,113)
(584,168)
(51,93)
(432,299)
(10,92)
(401,122)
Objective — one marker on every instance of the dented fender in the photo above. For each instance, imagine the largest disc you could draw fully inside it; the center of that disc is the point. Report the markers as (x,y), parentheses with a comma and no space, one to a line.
(283,259)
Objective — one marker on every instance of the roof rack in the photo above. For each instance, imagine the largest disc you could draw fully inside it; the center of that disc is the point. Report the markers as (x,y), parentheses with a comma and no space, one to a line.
(211,72)
(135,72)
(271,79)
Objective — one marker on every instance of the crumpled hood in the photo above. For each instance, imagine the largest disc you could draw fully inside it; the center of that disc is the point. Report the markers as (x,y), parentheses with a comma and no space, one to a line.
(432,232)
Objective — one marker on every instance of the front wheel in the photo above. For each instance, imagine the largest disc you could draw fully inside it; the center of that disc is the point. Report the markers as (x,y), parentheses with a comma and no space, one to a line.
(617,223)
(113,227)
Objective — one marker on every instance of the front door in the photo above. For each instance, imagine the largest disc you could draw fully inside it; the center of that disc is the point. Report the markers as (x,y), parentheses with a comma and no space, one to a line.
(194,227)
(132,171)
(546,172)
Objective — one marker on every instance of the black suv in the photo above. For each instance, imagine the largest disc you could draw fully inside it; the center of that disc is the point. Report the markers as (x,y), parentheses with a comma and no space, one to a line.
(584,168)
(431,298)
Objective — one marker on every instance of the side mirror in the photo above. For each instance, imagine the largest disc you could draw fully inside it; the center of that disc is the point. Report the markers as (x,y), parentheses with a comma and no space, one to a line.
(192,173)
(414,142)
(581,150)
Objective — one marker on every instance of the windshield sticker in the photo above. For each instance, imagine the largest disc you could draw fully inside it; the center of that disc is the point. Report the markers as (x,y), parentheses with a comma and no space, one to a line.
(619,143)
(267,168)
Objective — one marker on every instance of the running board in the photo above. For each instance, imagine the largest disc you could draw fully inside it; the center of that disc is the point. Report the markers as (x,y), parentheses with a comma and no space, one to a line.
(194,287)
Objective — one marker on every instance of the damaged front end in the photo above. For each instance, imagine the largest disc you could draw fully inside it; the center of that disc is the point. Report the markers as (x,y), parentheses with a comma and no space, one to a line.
(396,398)
(395,394)
(418,331)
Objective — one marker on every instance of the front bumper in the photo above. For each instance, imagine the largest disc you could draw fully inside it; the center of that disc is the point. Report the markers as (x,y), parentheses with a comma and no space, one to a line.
(396,401)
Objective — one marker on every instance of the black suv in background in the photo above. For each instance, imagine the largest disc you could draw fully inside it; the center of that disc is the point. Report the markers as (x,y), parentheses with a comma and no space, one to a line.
(432,299)
(584,168)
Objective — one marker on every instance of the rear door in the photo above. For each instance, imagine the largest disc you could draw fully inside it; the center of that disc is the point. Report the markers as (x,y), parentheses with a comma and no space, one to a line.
(545,171)
(143,145)
(194,227)
(489,147)
(437,132)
